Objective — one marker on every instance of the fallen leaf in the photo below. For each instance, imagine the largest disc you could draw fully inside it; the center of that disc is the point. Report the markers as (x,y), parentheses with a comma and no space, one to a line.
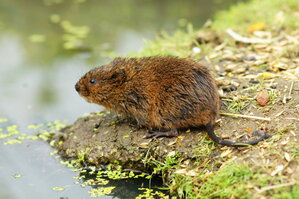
(267,75)
(181,137)
(277,169)
(226,153)
(172,153)
(144,144)
(287,157)
(256,26)
(180,171)
(171,143)
(248,129)
(191,173)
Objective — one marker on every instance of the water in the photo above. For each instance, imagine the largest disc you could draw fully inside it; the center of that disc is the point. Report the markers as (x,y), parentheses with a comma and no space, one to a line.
(45,47)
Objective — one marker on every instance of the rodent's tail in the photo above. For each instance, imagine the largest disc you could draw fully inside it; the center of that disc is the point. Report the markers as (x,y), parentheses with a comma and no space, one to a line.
(218,140)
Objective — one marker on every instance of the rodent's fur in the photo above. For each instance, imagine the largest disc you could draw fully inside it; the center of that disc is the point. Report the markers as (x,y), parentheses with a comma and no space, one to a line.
(160,93)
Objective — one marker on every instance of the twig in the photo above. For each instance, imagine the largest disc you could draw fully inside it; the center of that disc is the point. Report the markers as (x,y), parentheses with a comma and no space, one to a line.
(291,89)
(278,114)
(276,186)
(240,38)
(246,116)
(291,118)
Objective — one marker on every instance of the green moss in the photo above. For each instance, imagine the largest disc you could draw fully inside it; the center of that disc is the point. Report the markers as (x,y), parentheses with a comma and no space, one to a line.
(227,182)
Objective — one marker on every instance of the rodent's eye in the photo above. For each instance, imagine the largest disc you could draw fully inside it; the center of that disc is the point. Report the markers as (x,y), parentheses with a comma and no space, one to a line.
(114,76)
(92,81)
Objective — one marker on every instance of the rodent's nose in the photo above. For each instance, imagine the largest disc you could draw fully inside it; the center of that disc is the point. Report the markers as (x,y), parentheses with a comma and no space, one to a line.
(77,87)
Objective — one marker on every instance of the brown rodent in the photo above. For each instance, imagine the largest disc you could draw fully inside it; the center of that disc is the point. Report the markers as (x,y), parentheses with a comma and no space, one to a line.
(163,94)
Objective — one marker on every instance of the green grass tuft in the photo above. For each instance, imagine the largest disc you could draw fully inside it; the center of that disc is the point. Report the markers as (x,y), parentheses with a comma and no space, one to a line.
(274,13)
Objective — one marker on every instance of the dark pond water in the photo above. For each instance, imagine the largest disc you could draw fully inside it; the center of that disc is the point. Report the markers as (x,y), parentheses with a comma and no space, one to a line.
(45,46)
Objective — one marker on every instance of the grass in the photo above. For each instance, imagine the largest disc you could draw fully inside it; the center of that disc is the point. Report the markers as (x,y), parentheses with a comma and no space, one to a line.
(178,44)
(274,13)
(237,104)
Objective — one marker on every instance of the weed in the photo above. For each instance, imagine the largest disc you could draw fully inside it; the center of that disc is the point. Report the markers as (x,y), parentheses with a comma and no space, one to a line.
(273,94)
(237,104)
(171,162)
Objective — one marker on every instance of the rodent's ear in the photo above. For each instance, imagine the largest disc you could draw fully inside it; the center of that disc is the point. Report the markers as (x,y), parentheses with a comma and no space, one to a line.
(116,61)
(119,76)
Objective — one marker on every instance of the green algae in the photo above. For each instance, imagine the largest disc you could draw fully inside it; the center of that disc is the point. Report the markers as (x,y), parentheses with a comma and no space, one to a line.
(17,175)
(10,131)
(97,192)
(58,189)
(12,135)
(3,120)
(151,194)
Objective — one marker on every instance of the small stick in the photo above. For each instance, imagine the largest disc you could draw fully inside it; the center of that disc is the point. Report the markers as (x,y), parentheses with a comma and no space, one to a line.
(292,118)
(240,38)
(291,89)
(246,116)
(276,186)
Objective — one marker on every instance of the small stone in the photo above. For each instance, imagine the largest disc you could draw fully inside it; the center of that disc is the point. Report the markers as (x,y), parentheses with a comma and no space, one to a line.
(229,89)
(230,68)
(254,81)
(249,58)
(217,68)
(196,50)
(262,98)
(240,70)
(273,86)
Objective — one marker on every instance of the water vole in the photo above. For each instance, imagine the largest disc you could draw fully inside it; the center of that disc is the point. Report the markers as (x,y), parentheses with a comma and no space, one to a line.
(163,94)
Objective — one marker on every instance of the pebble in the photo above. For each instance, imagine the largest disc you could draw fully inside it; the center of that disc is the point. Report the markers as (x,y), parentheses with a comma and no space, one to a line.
(254,81)
(240,70)
(262,98)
